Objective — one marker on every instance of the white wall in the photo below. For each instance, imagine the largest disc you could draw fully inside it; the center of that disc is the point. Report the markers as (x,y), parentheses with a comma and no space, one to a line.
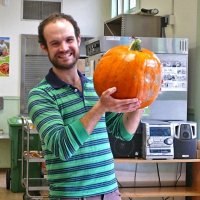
(186,26)
(12,26)
(90,15)
(163,7)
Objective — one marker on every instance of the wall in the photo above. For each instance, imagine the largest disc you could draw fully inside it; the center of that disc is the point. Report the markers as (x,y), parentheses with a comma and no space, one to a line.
(167,9)
(6,113)
(196,73)
(90,22)
(185,21)
(187,27)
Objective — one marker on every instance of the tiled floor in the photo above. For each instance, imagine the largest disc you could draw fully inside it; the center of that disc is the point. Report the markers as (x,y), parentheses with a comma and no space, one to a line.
(7,194)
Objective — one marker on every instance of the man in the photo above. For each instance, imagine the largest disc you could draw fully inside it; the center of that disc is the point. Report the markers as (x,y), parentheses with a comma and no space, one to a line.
(3,48)
(73,121)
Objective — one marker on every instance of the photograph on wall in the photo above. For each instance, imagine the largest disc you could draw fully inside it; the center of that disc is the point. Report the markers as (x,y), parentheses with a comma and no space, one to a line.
(4,56)
(174,76)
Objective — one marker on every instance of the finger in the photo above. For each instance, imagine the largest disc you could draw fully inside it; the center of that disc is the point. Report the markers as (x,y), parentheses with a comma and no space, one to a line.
(129,107)
(125,102)
(110,91)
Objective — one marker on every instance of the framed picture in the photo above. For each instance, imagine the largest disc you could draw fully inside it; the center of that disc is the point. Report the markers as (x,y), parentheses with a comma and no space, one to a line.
(4,56)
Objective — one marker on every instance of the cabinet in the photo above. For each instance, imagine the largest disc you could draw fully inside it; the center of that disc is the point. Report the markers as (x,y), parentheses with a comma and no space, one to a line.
(193,190)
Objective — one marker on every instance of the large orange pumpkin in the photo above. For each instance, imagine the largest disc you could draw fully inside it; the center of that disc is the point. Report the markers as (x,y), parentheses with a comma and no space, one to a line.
(135,72)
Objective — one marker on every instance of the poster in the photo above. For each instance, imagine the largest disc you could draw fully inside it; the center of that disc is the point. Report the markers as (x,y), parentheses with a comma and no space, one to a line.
(4,56)
(174,75)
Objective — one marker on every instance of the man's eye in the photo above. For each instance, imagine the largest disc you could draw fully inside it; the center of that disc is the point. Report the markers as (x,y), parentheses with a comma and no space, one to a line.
(70,40)
(55,44)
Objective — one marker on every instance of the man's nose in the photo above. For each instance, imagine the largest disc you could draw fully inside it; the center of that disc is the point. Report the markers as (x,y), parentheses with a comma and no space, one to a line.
(64,46)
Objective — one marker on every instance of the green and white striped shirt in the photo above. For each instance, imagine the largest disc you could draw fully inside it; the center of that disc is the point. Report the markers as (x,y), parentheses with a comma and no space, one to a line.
(78,164)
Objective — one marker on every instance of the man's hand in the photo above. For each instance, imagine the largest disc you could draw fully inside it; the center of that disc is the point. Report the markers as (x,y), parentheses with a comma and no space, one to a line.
(110,104)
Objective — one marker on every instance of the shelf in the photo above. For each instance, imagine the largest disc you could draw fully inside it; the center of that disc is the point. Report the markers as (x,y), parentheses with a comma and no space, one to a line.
(133,160)
(4,137)
(130,25)
(34,156)
(30,130)
(35,160)
(36,184)
(158,192)
(179,191)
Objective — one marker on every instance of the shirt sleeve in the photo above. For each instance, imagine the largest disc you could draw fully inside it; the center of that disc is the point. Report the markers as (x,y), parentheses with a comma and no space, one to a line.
(115,126)
(60,139)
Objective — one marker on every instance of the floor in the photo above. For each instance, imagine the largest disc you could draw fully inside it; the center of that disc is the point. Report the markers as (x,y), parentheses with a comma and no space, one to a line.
(7,194)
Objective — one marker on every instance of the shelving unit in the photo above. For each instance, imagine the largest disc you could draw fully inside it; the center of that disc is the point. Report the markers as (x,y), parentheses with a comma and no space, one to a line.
(133,25)
(192,191)
(34,186)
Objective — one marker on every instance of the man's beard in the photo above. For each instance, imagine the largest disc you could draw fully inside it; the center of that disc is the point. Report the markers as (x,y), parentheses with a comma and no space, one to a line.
(62,66)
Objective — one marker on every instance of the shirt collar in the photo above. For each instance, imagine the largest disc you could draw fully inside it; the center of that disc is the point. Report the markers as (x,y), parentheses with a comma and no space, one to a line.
(57,83)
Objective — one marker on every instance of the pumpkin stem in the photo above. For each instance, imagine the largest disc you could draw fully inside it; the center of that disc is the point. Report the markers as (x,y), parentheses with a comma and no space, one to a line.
(135,45)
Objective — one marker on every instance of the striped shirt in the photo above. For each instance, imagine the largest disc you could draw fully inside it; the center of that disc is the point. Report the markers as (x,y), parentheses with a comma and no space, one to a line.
(78,164)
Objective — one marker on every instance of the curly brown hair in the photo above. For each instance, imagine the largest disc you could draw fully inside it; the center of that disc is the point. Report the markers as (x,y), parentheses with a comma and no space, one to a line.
(52,18)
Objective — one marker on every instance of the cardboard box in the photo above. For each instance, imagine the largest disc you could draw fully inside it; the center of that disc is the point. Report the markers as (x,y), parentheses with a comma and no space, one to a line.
(198,145)
(198,153)
(81,65)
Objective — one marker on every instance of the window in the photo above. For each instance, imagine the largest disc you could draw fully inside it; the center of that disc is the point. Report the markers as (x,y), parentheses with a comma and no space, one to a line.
(114,8)
(40,9)
(125,6)
(119,7)
(134,6)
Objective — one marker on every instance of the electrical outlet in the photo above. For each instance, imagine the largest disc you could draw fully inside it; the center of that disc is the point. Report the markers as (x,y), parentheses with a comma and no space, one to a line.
(171,20)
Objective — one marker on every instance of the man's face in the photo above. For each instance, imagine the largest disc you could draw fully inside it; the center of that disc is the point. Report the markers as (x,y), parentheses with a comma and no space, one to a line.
(62,44)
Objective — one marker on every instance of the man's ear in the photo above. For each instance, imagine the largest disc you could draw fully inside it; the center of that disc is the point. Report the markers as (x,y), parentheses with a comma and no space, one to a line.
(79,41)
(43,47)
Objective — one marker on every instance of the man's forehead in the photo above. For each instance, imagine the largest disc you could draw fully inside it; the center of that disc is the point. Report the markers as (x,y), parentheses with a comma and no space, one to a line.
(59,27)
